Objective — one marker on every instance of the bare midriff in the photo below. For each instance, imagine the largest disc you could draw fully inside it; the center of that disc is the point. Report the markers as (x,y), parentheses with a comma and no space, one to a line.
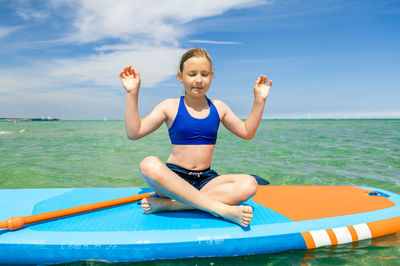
(192,157)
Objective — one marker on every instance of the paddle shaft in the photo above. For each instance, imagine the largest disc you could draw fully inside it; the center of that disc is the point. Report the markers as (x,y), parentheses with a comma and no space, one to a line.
(18,222)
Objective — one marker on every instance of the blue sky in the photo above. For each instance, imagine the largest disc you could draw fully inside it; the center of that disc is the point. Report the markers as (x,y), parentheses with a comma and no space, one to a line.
(327,59)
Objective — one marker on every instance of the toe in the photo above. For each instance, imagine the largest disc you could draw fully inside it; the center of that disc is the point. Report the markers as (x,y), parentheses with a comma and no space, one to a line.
(248,209)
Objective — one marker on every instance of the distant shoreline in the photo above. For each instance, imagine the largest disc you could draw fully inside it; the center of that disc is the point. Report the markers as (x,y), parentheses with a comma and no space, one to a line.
(10,119)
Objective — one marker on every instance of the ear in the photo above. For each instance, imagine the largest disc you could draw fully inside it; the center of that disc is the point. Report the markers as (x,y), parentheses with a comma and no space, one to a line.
(179,76)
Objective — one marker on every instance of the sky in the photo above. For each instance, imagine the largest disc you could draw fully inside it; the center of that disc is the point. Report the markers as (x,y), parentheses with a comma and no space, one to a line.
(326,58)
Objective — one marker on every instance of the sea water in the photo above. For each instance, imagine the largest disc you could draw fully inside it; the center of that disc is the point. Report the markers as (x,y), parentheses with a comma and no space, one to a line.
(286,152)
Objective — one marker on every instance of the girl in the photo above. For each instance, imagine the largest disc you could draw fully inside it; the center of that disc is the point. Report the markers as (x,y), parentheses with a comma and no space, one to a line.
(186,181)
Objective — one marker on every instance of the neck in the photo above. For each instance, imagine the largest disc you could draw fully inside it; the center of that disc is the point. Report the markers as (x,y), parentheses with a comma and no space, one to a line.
(196,103)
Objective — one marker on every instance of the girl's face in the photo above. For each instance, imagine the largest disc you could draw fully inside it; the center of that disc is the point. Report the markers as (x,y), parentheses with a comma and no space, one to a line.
(196,76)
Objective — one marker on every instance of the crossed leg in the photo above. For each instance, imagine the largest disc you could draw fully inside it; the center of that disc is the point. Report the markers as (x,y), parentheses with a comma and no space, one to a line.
(217,197)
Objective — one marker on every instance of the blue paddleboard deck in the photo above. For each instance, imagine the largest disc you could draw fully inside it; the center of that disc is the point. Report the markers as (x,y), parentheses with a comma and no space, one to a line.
(124,233)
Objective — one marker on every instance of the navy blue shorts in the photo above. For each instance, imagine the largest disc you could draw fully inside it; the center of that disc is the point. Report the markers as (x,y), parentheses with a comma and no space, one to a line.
(198,179)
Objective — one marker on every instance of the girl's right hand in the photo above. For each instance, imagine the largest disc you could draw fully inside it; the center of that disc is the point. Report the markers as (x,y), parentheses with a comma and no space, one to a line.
(130,78)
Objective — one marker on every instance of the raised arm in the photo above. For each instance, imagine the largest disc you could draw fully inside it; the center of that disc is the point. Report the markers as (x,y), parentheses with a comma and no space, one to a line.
(247,129)
(137,128)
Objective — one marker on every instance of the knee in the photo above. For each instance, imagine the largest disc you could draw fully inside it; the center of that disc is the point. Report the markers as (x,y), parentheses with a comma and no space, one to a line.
(248,187)
(150,167)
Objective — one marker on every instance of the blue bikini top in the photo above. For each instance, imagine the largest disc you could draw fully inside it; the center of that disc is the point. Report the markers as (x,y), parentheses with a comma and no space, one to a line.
(187,130)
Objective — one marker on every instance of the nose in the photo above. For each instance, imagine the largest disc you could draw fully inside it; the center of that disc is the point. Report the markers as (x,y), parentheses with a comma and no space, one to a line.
(198,79)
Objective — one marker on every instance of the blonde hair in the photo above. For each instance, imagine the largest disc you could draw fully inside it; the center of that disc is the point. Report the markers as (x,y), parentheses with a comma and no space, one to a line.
(194,52)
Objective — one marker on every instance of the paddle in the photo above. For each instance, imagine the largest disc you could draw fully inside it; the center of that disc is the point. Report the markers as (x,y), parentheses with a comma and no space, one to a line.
(15,223)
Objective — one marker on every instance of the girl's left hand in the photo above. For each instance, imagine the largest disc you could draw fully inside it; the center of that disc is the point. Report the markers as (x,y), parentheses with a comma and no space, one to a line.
(261,89)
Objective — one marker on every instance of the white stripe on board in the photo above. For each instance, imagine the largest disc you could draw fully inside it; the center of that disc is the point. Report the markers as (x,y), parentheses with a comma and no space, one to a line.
(363,231)
(321,238)
(343,235)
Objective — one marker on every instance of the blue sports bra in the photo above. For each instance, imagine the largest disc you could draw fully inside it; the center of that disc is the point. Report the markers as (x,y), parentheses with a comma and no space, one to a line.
(187,130)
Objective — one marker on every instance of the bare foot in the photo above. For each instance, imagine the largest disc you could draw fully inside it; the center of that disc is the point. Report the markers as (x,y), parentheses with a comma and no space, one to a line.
(241,215)
(151,205)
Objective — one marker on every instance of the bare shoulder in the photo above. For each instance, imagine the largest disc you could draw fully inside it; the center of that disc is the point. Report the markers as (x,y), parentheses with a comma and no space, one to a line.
(169,107)
(167,103)
(218,102)
(222,107)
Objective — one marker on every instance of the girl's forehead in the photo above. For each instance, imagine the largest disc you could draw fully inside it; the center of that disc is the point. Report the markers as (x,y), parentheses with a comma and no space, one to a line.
(197,62)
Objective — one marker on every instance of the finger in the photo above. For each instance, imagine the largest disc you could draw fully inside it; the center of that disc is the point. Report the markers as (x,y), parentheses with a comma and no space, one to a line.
(135,72)
(123,73)
(261,79)
(128,71)
(258,80)
(270,83)
(264,80)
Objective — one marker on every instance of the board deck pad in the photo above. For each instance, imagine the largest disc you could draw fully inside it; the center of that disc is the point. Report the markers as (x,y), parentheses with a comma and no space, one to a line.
(130,217)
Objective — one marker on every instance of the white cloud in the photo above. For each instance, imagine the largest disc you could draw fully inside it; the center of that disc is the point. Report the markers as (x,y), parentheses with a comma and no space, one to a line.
(144,34)
(155,20)
(148,33)
(4,31)
(155,64)
(27,11)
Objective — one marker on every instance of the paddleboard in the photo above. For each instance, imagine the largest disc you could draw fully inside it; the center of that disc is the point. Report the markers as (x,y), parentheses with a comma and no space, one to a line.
(285,218)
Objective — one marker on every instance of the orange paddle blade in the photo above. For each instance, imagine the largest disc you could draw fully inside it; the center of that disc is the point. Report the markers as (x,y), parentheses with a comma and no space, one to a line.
(18,222)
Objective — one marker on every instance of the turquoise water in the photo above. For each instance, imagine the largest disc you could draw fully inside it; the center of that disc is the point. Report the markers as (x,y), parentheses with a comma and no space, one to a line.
(286,152)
